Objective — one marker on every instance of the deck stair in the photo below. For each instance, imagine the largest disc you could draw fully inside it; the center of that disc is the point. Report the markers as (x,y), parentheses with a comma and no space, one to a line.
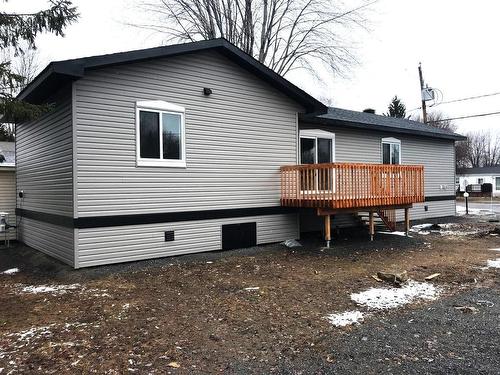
(382,220)
(346,188)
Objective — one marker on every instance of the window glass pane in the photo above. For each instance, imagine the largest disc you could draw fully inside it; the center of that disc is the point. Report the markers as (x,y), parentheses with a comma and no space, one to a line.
(149,134)
(497,183)
(395,153)
(386,153)
(171,136)
(324,150)
(307,151)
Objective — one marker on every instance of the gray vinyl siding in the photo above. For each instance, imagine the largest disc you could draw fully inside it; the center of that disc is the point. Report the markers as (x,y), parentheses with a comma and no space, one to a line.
(136,242)
(8,199)
(236,138)
(53,240)
(436,155)
(44,162)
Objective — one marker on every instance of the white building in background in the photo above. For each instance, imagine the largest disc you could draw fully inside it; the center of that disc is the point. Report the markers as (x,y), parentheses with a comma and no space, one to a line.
(8,184)
(479,176)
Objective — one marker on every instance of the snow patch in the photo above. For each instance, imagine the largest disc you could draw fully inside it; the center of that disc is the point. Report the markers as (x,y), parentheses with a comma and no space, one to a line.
(252,288)
(419,227)
(346,318)
(53,289)
(474,211)
(389,298)
(493,263)
(32,333)
(395,233)
(10,271)
(446,229)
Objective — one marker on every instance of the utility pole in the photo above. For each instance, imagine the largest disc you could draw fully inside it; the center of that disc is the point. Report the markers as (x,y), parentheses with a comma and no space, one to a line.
(424,108)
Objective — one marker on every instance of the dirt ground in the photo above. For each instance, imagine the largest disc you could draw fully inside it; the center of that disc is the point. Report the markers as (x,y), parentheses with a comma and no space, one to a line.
(258,310)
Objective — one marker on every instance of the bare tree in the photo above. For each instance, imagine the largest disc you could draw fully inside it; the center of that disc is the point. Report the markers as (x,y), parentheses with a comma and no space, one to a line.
(481,149)
(491,153)
(438,120)
(461,154)
(475,145)
(27,66)
(282,34)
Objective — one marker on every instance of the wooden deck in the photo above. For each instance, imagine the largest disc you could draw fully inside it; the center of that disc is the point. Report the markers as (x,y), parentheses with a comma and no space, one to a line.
(354,186)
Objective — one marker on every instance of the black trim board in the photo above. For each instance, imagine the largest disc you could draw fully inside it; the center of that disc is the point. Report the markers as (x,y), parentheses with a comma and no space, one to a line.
(167,217)
(64,221)
(440,198)
(154,218)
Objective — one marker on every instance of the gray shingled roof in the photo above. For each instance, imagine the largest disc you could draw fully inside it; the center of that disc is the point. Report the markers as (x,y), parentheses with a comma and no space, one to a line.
(479,170)
(363,120)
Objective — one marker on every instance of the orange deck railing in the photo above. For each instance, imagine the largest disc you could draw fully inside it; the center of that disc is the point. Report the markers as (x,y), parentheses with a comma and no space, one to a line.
(351,185)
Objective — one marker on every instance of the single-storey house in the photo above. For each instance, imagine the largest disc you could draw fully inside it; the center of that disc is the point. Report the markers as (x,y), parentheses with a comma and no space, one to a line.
(199,147)
(8,187)
(479,176)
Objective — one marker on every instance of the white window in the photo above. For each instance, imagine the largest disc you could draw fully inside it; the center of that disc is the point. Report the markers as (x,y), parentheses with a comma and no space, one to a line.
(317,146)
(497,183)
(391,151)
(160,133)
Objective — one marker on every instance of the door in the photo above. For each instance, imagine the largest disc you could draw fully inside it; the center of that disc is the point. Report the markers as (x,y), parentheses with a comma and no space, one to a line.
(316,150)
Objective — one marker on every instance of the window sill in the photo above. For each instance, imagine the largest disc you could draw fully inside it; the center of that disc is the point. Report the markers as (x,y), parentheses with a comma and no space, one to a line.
(161,163)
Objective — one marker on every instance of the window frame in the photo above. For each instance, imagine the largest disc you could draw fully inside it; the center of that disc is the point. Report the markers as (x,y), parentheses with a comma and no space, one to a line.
(160,107)
(315,134)
(391,141)
(495,183)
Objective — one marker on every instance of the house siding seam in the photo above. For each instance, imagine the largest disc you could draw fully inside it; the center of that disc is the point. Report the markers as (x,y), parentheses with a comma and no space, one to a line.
(44,173)
(137,242)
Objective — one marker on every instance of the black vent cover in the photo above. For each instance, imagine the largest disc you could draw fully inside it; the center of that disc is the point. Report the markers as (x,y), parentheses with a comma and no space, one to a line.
(169,236)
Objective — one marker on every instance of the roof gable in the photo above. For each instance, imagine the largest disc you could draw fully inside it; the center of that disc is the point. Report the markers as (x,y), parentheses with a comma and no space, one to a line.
(59,73)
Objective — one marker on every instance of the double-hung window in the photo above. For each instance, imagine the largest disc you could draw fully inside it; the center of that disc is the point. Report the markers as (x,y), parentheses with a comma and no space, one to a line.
(391,151)
(160,134)
(497,183)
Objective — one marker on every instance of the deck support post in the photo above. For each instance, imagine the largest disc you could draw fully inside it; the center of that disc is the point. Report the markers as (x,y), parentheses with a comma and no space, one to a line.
(327,230)
(407,220)
(371,225)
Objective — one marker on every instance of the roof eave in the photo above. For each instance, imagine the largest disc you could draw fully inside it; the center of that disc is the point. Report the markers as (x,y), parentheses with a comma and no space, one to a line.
(68,70)
(53,75)
(366,126)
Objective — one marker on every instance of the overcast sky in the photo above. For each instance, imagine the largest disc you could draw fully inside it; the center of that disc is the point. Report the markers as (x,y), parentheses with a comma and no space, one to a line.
(456,41)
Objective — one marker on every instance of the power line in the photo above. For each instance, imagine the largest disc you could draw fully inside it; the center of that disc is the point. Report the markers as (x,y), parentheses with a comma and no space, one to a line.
(470,116)
(470,98)
(461,100)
